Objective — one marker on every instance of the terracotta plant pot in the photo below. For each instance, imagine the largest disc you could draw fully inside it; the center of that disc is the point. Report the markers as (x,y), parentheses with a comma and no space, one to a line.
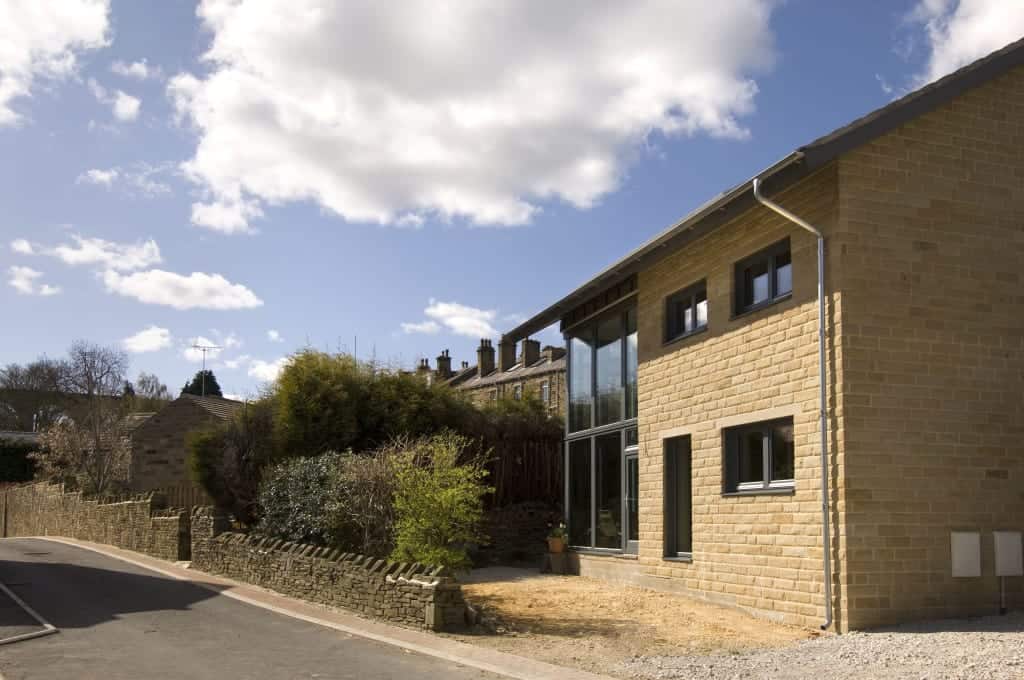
(556,545)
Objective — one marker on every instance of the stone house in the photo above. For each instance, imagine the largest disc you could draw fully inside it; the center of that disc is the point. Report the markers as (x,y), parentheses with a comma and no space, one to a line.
(846,465)
(536,371)
(158,443)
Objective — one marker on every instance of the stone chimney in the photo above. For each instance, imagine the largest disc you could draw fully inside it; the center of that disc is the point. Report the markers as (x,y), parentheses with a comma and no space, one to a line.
(531,352)
(444,365)
(465,365)
(506,355)
(484,358)
(423,368)
(552,353)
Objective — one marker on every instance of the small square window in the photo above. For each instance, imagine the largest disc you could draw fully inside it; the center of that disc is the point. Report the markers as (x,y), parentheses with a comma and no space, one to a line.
(686,312)
(759,456)
(517,392)
(764,278)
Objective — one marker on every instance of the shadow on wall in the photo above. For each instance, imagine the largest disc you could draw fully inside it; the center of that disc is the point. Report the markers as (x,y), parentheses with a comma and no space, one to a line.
(98,594)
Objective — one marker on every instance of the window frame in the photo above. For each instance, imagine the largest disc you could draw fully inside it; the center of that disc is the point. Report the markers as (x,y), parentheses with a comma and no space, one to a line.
(767,255)
(731,438)
(670,473)
(690,292)
(545,392)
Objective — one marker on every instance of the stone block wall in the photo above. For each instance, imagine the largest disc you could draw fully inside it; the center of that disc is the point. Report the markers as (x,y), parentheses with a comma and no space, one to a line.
(409,594)
(139,524)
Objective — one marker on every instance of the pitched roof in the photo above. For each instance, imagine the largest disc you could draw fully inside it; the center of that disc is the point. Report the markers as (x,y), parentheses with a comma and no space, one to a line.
(215,406)
(468,379)
(133,420)
(797,165)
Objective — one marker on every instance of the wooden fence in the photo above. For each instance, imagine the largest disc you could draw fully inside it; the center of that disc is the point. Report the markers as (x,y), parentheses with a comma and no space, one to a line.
(527,470)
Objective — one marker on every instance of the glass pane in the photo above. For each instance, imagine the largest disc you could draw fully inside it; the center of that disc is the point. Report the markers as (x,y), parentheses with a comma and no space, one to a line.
(609,491)
(783,274)
(751,463)
(680,488)
(702,309)
(632,499)
(631,437)
(609,370)
(580,383)
(782,452)
(579,493)
(688,319)
(755,284)
(632,362)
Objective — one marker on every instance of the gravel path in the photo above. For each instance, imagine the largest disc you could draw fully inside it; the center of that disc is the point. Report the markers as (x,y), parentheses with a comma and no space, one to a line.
(990,648)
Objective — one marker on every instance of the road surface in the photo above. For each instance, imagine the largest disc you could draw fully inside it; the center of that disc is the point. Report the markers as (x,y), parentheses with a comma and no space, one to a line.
(118,621)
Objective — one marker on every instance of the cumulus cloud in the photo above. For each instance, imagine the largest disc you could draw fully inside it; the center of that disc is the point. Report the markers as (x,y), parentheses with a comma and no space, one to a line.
(236,362)
(124,106)
(267,371)
(97,176)
(140,70)
(150,339)
(107,254)
(22,247)
(143,179)
(192,352)
(476,111)
(457,318)
(958,32)
(195,291)
(41,39)
(274,336)
(25,280)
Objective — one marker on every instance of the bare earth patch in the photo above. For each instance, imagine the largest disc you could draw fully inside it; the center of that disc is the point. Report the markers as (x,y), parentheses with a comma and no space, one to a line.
(597,626)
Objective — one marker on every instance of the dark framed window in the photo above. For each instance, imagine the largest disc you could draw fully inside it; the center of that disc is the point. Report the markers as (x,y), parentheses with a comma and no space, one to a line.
(545,392)
(678,497)
(763,278)
(603,363)
(602,487)
(686,312)
(759,456)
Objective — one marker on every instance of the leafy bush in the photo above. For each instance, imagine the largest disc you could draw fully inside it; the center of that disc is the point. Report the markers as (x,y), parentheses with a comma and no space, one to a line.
(362,513)
(439,491)
(296,498)
(228,460)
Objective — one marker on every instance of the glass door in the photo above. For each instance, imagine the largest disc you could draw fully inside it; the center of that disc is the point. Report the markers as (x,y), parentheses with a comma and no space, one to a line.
(632,503)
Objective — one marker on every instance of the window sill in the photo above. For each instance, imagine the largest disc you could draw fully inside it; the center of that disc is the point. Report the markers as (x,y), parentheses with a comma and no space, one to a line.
(769,491)
(764,305)
(685,336)
(687,559)
(599,552)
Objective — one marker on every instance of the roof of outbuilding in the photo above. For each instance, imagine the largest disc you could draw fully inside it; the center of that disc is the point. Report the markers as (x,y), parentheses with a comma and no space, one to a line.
(216,406)
(797,165)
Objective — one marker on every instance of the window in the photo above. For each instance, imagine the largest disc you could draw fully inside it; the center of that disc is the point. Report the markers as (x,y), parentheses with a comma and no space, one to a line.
(609,370)
(608,485)
(764,278)
(686,312)
(494,395)
(759,456)
(579,493)
(678,497)
(632,363)
(545,392)
(581,400)
(517,392)
(603,364)
(603,492)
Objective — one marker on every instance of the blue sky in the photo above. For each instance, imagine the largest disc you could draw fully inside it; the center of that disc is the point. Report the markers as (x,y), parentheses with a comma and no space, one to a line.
(270,175)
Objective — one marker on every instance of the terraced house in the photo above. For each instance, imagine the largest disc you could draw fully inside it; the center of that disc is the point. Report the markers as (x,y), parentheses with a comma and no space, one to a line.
(806,398)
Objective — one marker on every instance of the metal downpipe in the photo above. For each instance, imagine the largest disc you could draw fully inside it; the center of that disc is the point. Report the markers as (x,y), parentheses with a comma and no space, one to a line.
(825,532)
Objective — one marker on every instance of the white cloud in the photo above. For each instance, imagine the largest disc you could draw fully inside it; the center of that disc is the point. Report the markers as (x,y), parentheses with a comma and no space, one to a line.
(140,70)
(195,291)
(137,179)
(961,31)
(267,371)
(426,327)
(150,339)
(25,280)
(107,254)
(192,353)
(457,318)
(479,111)
(40,40)
(274,336)
(124,106)
(22,247)
(236,362)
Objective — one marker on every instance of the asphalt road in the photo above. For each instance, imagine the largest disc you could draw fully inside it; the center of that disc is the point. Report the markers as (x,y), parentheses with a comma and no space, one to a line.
(118,621)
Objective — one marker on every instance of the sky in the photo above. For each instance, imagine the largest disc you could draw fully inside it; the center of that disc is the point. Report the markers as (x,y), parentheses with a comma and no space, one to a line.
(395,179)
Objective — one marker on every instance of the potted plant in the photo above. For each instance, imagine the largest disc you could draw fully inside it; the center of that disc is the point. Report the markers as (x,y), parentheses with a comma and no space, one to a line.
(557,538)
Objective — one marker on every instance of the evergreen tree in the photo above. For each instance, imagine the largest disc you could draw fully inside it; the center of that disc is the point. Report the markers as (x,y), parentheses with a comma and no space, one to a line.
(196,385)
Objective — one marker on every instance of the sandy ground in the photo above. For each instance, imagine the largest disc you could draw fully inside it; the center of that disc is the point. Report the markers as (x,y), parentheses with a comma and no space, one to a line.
(598,626)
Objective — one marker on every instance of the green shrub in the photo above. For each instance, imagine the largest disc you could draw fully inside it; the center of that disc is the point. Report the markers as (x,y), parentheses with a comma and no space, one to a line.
(439,491)
(296,498)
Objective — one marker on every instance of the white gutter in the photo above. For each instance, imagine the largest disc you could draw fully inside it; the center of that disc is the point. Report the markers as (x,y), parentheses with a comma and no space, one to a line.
(825,534)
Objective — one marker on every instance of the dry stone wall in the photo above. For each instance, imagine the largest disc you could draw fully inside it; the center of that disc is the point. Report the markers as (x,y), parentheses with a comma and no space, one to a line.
(138,524)
(410,594)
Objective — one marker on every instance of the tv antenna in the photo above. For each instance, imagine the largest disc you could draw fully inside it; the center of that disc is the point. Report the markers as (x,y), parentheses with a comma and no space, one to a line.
(204,349)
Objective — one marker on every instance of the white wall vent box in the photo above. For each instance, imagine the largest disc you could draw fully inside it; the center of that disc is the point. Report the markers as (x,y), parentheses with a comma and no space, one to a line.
(966,549)
(1009,553)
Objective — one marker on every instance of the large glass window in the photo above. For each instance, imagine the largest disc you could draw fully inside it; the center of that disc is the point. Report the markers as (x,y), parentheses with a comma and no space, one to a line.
(759,456)
(678,497)
(608,455)
(579,493)
(609,371)
(581,384)
(632,363)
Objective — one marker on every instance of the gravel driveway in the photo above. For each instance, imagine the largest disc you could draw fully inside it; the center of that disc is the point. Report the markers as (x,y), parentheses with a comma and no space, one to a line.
(990,648)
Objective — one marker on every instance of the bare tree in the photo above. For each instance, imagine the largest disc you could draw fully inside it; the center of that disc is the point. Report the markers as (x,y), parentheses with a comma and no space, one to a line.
(147,393)
(94,370)
(94,456)
(31,394)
